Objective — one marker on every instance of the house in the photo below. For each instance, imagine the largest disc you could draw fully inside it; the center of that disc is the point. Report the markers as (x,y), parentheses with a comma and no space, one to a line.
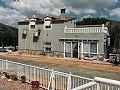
(60,35)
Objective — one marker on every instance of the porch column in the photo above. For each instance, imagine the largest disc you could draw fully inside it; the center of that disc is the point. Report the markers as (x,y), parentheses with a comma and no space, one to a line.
(71,50)
(82,50)
(97,49)
(78,50)
(64,49)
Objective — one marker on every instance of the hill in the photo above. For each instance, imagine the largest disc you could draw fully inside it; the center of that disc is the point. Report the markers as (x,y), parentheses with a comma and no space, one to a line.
(4,27)
(8,35)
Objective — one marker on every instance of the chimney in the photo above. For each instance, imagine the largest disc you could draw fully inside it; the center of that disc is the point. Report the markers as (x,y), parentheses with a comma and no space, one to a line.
(63,13)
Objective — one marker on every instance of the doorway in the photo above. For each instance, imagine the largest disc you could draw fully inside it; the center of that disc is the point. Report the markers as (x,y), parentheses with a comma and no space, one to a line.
(75,49)
(71,49)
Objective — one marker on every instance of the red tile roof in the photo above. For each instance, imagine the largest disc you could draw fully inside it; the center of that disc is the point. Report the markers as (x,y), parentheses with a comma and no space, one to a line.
(54,19)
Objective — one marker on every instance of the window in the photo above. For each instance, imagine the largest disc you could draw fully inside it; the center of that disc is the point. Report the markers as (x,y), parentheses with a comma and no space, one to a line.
(32,26)
(47,26)
(86,47)
(32,23)
(47,47)
(68,49)
(47,23)
(93,47)
(89,47)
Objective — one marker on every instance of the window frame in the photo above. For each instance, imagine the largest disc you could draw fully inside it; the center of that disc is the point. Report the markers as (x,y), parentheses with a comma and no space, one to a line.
(31,26)
(89,48)
(47,45)
(47,27)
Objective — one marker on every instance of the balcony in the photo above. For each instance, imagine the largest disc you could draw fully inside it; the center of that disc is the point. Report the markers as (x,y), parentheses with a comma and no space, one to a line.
(85,30)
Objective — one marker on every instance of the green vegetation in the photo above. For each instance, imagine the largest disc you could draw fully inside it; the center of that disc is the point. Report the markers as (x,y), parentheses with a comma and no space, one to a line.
(92,21)
(8,36)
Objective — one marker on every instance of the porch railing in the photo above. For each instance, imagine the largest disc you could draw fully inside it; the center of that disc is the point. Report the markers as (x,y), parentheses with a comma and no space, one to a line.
(54,80)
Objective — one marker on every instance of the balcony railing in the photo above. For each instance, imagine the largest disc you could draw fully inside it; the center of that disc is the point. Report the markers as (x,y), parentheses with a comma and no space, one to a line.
(84,30)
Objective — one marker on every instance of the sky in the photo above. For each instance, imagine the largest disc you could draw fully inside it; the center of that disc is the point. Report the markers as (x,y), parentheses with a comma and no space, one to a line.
(12,11)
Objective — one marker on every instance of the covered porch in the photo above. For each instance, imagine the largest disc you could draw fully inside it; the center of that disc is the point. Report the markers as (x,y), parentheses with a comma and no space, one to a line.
(80,48)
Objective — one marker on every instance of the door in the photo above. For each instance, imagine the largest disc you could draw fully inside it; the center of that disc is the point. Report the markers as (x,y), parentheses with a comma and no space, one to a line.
(75,49)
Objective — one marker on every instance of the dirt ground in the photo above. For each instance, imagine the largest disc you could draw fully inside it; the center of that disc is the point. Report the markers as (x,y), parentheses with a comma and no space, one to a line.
(15,85)
(83,68)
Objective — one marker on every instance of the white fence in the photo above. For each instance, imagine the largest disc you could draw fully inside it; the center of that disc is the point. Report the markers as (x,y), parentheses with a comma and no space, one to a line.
(47,78)
(54,80)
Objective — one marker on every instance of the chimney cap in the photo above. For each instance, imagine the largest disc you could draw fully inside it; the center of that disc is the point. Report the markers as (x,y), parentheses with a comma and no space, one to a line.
(63,10)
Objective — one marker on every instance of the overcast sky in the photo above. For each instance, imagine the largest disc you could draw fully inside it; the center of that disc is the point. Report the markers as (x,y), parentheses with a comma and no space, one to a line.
(12,11)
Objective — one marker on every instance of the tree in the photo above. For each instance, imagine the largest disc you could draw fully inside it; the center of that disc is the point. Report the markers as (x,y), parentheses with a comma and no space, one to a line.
(92,21)
(2,38)
(8,37)
(115,37)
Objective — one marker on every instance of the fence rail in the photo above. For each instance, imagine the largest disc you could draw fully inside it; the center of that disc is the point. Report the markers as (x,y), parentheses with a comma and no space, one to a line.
(54,80)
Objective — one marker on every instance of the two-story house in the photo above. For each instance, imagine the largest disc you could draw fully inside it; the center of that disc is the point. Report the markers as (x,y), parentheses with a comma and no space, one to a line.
(60,35)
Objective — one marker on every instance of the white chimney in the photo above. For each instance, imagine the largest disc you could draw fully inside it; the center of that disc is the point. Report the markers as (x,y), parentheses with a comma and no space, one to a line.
(63,13)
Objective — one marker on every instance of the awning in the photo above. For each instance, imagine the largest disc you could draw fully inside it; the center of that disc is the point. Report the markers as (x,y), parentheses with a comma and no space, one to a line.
(32,23)
(47,23)
(78,39)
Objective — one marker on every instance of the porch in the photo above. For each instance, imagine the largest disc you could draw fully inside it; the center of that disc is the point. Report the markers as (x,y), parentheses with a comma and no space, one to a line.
(80,48)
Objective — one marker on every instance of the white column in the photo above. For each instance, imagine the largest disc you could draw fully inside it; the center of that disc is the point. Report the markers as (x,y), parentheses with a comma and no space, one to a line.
(69,82)
(25,43)
(6,64)
(53,81)
(103,27)
(64,48)
(97,49)
(82,49)
(78,50)
(2,64)
(98,86)
(71,50)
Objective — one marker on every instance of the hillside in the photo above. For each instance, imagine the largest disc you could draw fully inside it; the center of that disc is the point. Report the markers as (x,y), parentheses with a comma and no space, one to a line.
(4,27)
(8,35)
(114,23)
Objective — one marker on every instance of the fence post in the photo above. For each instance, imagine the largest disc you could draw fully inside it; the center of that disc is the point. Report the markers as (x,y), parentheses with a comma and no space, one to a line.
(6,67)
(98,86)
(53,80)
(69,82)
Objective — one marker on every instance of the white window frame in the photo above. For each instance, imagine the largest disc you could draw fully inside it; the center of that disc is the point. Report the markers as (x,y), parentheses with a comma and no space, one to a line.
(48,26)
(89,48)
(32,22)
(47,46)
(31,26)
(47,20)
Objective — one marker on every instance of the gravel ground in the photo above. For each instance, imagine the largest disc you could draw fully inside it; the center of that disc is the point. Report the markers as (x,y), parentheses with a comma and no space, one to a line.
(15,85)
(88,72)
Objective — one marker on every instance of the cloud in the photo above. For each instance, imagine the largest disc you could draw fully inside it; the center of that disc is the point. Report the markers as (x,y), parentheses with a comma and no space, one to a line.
(87,16)
(89,3)
(25,8)
(115,12)
(9,16)
(52,7)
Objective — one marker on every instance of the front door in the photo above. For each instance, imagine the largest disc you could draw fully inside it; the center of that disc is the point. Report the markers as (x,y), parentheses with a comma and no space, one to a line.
(75,49)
